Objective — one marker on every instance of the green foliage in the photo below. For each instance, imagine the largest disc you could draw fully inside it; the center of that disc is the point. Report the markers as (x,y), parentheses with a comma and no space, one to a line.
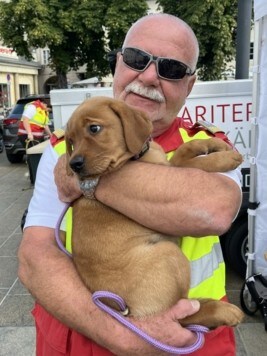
(77,32)
(120,15)
(214,23)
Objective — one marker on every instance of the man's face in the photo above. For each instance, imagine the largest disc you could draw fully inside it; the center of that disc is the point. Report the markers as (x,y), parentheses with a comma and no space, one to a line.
(170,95)
(44,105)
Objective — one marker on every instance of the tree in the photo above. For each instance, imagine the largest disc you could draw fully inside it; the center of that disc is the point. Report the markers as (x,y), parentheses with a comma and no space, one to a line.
(214,23)
(77,32)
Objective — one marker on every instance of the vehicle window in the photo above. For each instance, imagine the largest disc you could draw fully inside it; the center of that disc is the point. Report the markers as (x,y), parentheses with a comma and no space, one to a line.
(18,109)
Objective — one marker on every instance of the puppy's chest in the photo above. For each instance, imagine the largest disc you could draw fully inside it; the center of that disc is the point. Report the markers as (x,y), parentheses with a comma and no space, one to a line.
(96,219)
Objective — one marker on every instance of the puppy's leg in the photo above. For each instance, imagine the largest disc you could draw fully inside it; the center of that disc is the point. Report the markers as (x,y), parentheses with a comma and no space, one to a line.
(211,155)
(214,313)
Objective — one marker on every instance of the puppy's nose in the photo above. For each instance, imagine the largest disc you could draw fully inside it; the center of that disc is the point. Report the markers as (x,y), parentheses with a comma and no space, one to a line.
(77,163)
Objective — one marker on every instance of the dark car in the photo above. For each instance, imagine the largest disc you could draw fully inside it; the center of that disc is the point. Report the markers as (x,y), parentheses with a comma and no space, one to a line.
(1,135)
(13,147)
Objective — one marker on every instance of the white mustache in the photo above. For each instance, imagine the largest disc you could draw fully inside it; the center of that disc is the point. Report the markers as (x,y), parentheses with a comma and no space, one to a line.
(149,93)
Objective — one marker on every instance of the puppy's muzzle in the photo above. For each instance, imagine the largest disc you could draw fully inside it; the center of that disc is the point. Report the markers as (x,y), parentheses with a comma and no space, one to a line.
(77,164)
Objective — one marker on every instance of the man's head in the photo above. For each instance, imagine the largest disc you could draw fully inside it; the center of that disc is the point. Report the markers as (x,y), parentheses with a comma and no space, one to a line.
(43,104)
(159,35)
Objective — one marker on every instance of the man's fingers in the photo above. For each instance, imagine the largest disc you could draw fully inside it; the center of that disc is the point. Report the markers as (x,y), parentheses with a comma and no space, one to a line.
(68,187)
(185,307)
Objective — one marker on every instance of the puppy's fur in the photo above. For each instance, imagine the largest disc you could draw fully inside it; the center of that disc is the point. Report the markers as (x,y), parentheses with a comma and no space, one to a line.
(112,252)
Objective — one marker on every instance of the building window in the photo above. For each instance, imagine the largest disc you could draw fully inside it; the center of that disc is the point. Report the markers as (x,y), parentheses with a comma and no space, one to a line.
(24,90)
(46,54)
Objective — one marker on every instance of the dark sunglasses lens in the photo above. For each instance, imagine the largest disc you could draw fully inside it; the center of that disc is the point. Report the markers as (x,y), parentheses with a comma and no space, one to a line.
(135,58)
(171,69)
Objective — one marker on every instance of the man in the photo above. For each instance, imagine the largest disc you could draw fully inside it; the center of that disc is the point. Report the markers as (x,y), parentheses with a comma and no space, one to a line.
(176,201)
(34,122)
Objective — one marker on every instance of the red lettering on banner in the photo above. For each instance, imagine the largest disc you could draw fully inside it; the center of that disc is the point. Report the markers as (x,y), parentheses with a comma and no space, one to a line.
(235,112)
(220,113)
(249,111)
(212,114)
(223,106)
(200,112)
(186,115)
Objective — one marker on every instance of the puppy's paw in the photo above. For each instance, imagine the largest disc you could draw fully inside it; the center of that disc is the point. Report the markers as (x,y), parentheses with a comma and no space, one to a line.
(235,159)
(222,313)
(214,313)
(230,315)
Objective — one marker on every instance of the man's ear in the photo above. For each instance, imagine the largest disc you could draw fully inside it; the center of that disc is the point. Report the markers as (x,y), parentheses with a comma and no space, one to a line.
(191,83)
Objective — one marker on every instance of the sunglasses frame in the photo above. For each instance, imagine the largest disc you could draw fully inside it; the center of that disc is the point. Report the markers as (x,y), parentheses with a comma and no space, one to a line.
(156,59)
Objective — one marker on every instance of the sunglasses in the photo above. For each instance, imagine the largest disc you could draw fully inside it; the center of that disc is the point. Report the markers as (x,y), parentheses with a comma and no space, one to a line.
(167,68)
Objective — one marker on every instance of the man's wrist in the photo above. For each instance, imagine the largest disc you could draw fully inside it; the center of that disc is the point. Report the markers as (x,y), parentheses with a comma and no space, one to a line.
(88,187)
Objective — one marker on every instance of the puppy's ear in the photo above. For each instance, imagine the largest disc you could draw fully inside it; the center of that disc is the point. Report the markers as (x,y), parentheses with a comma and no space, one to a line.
(136,125)
(68,153)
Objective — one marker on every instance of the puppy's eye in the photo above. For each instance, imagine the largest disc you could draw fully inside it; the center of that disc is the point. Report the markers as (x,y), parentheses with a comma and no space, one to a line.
(94,129)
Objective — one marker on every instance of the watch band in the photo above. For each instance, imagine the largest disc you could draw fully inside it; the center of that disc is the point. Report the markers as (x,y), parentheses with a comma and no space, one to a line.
(88,187)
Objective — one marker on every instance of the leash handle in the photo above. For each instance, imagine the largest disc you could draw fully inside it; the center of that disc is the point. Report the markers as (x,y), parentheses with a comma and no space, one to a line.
(197,329)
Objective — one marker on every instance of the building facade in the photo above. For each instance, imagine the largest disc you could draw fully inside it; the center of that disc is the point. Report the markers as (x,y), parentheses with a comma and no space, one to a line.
(18,77)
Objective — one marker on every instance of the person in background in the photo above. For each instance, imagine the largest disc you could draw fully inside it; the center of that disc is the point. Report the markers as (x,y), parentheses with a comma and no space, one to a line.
(155,72)
(34,122)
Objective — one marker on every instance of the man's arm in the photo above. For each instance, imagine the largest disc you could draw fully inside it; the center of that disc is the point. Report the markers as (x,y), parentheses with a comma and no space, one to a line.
(47,130)
(175,201)
(27,127)
(52,279)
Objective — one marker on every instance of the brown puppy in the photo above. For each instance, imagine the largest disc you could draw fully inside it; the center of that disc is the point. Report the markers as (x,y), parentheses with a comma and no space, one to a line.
(112,252)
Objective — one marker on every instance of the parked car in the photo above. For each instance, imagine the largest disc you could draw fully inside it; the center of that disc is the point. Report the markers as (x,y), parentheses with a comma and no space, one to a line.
(1,133)
(13,147)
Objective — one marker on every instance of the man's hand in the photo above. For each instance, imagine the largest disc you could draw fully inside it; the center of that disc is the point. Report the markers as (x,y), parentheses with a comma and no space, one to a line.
(68,186)
(30,136)
(163,327)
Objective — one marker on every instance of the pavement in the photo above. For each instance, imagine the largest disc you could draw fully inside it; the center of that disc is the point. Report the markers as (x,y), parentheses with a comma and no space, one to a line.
(17,333)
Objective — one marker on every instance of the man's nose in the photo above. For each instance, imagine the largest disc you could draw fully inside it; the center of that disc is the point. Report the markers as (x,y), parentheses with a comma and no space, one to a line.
(150,76)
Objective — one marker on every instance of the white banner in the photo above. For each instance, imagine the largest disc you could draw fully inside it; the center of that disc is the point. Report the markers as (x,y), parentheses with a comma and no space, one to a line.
(260,233)
(260,9)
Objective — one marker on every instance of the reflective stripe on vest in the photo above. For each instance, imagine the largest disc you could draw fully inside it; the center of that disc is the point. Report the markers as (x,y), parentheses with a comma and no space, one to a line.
(40,117)
(36,134)
(204,254)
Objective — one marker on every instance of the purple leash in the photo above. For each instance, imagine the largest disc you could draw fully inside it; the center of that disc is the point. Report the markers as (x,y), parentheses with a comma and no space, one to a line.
(58,240)
(199,330)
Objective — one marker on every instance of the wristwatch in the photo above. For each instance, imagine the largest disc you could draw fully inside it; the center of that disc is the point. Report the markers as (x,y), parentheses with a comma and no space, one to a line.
(88,187)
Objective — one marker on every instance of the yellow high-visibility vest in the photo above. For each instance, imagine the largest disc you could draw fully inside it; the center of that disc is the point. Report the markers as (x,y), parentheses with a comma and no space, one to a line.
(204,253)
(40,117)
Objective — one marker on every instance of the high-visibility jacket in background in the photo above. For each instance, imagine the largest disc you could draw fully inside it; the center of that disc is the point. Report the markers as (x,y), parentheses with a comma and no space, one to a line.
(39,120)
(204,254)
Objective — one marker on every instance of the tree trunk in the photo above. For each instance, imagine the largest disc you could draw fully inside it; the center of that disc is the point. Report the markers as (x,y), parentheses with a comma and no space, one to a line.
(61,78)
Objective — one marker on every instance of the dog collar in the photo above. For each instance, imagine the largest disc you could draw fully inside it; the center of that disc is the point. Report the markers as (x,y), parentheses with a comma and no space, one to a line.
(145,148)
(88,187)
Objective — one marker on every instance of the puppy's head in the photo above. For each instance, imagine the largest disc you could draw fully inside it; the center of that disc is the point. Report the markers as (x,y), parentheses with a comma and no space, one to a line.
(102,134)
